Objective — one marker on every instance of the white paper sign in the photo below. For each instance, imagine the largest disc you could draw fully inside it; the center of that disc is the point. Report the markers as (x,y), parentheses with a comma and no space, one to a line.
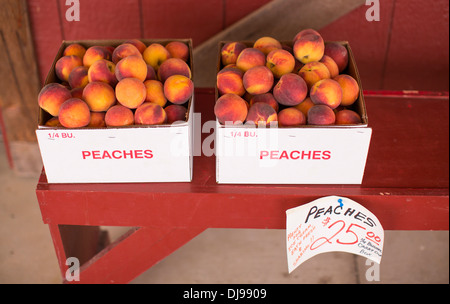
(332,223)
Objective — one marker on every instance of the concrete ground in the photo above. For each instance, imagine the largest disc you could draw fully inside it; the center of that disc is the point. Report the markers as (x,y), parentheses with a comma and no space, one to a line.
(222,256)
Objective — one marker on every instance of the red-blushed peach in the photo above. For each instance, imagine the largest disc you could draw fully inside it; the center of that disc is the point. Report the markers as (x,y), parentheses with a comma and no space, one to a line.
(350,89)
(298,66)
(155,92)
(326,92)
(280,62)
(230,52)
(150,114)
(103,71)
(95,53)
(347,117)
(249,58)
(314,71)
(65,65)
(74,113)
(131,92)
(124,50)
(291,117)
(178,89)
(305,105)
(52,96)
(131,67)
(265,98)
(338,53)
(75,49)
(267,44)
(78,78)
(258,80)
(53,122)
(175,113)
(155,54)
(321,115)
(173,66)
(99,96)
(305,32)
(309,48)
(97,120)
(151,74)
(290,90)
(331,65)
(119,116)
(137,43)
(230,80)
(77,93)
(230,108)
(178,49)
(261,113)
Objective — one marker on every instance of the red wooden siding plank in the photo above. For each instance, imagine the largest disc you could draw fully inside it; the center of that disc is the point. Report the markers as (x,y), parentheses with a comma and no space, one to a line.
(238,9)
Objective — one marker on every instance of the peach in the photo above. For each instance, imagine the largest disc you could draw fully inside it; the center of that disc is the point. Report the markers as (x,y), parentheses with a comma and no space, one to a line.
(350,89)
(331,65)
(137,43)
(290,117)
(53,122)
(265,98)
(178,89)
(65,65)
(230,108)
(305,32)
(155,92)
(230,52)
(119,116)
(175,113)
(150,114)
(99,96)
(249,58)
(261,113)
(267,44)
(280,62)
(95,53)
(124,50)
(290,90)
(77,93)
(103,71)
(74,113)
(78,78)
(97,120)
(326,92)
(338,53)
(347,117)
(131,67)
(258,80)
(173,66)
(75,49)
(309,48)
(230,80)
(52,96)
(305,105)
(178,49)
(151,74)
(155,54)
(314,71)
(321,115)
(131,92)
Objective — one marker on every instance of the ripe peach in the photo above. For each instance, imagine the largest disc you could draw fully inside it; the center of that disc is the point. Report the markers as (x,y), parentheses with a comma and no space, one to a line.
(290,90)
(103,71)
(78,78)
(97,120)
(327,92)
(124,50)
(347,117)
(305,32)
(290,117)
(338,53)
(230,108)
(77,93)
(173,66)
(52,96)
(65,65)
(155,54)
(230,80)
(150,114)
(350,89)
(261,113)
(314,71)
(178,89)
(280,62)
(309,48)
(75,49)
(175,113)
(321,115)
(119,116)
(258,80)
(131,67)
(131,92)
(305,105)
(99,96)
(74,113)
(151,74)
(331,65)
(53,122)
(137,43)
(230,52)
(249,58)
(95,53)
(267,44)
(178,49)
(265,98)
(155,92)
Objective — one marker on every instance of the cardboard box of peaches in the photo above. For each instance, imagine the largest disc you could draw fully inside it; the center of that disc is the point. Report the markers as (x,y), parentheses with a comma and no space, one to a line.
(118,111)
(289,112)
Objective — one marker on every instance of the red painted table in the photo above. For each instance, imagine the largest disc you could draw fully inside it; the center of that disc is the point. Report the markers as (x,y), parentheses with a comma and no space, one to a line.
(405,186)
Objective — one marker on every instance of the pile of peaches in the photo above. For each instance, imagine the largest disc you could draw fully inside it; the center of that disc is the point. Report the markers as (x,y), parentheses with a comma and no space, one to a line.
(130,84)
(303,84)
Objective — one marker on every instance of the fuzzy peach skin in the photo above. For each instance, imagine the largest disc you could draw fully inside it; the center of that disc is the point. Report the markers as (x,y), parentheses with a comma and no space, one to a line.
(78,78)
(347,117)
(77,93)
(173,66)
(178,89)
(119,116)
(326,92)
(131,67)
(321,115)
(155,54)
(267,44)
(151,74)
(338,53)
(280,62)
(52,96)
(65,65)
(261,113)
(314,71)
(124,50)
(103,71)
(258,80)
(230,80)
(175,113)
(265,98)
(155,92)
(99,96)
(178,49)
(137,43)
(350,89)
(305,105)
(74,113)
(249,58)
(230,52)
(97,120)
(131,92)
(291,117)
(53,122)
(304,33)
(150,114)
(309,48)
(230,108)
(95,53)
(331,65)
(290,90)
(75,49)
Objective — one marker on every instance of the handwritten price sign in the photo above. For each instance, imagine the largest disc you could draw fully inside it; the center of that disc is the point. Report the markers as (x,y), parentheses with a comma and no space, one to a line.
(332,223)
